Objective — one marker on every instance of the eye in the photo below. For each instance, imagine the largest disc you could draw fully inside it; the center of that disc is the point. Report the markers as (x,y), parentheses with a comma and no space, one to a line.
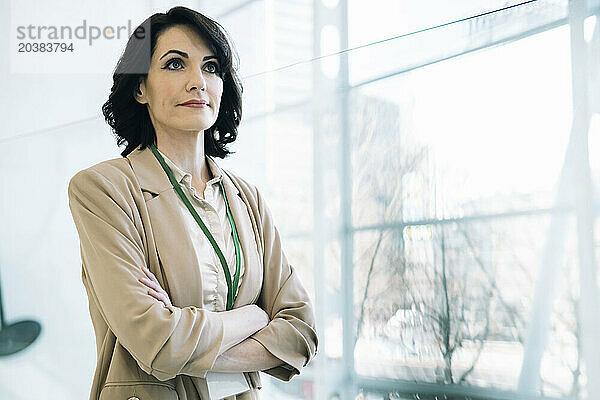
(212,67)
(173,61)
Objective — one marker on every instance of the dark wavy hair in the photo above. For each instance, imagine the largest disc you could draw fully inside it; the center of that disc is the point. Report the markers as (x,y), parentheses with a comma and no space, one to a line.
(130,121)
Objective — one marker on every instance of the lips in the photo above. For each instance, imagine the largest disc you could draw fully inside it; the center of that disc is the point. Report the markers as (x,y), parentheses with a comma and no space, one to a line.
(197,102)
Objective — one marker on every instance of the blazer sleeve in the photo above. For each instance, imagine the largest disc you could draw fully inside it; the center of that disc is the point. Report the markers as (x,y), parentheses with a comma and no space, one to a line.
(164,340)
(291,334)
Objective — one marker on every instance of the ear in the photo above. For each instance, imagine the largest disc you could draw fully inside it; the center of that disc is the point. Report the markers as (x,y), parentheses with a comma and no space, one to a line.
(140,92)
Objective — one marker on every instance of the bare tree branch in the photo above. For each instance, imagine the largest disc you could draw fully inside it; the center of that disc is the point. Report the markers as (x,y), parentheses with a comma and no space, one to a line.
(364,299)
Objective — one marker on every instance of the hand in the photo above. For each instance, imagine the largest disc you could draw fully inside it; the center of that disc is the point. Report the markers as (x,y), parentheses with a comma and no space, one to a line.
(155,290)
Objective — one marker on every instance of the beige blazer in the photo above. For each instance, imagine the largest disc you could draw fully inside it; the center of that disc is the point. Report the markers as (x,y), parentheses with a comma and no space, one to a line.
(125,214)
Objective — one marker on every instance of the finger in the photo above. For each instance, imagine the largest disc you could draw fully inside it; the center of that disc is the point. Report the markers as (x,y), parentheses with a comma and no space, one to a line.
(150,274)
(158,289)
(150,283)
(159,296)
(147,272)
(165,299)
(153,293)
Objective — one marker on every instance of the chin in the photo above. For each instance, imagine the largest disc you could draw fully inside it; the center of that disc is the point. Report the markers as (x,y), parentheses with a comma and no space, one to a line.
(197,126)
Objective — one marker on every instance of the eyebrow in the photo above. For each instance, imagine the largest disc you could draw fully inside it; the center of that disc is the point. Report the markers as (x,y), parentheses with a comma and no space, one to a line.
(185,55)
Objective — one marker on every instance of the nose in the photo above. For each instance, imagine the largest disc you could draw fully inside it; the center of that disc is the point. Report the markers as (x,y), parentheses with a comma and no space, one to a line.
(196,80)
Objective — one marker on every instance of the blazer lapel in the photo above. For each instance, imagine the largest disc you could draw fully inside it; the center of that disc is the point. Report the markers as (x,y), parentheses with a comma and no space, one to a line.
(175,248)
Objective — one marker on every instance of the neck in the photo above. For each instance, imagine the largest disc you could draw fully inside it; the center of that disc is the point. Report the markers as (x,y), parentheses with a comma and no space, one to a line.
(187,151)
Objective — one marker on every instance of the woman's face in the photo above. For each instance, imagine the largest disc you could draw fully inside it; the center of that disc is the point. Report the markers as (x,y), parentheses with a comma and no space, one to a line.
(182,68)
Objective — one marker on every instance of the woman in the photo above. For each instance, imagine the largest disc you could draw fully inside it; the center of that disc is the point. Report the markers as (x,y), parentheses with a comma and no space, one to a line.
(190,292)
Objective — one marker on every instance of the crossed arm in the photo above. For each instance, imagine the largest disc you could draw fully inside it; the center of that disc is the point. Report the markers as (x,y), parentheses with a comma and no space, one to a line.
(249,355)
(185,340)
(239,352)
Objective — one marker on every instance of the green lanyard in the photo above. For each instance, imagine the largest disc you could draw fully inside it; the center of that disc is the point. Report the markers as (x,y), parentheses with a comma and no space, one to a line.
(231,286)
